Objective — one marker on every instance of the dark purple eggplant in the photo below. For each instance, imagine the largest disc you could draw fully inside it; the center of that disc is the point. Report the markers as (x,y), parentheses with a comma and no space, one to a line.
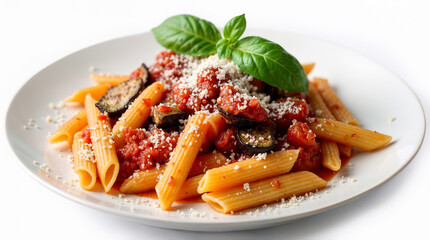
(167,114)
(236,120)
(145,75)
(258,139)
(117,98)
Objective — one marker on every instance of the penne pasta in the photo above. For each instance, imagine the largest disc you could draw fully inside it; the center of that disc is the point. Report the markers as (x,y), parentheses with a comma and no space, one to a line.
(182,159)
(329,149)
(103,144)
(348,134)
(264,191)
(84,162)
(142,181)
(330,155)
(138,111)
(217,124)
(248,170)
(344,150)
(96,92)
(333,102)
(67,131)
(109,79)
(189,188)
(206,162)
(146,180)
(308,67)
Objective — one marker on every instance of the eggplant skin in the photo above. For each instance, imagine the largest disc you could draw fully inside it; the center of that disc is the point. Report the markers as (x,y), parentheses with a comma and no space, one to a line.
(145,75)
(236,120)
(258,139)
(167,119)
(119,97)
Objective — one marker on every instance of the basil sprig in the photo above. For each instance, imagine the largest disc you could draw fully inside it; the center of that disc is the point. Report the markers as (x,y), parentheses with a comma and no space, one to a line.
(259,57)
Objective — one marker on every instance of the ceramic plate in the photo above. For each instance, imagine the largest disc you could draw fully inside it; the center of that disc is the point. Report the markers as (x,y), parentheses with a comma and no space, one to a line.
(379,99)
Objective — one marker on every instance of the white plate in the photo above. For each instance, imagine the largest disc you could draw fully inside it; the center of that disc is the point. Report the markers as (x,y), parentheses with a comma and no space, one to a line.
(372,93)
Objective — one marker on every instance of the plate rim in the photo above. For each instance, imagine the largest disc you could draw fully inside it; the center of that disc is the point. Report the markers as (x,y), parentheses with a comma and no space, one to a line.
(207,226)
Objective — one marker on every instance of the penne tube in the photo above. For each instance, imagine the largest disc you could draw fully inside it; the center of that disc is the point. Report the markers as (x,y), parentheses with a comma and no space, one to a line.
(329,149)
(146,180)
(330,155)
(142,181)
(138,112)
(189,188)
(96,92)
(317,103)
(344,150)
(67,131)
(206,162)
(264,191)
(337,108)
(348,134)
(84,162)
(103,144)
(248,170)
(308,67)
(217,124)
(182,159)
(112,80)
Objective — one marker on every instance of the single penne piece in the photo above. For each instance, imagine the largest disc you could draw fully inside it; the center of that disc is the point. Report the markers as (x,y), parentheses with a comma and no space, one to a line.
(84,162)
(67,131)
(337,108)
(103,144)
(348,134)
(217,124)
(330,155)
(146,180)
(317,103)
(109,79)
(329,149)
(248,170)
(182,159)
(142,181)
(206,162)
(344,150)
(138,112)
(97,92)
(264,191)
(308,67)
(189,188)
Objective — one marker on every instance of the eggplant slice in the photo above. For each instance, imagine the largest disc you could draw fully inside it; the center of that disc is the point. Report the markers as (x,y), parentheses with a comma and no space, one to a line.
(117,98)
(259,139)
(167,114)
(145,75)
(236,120)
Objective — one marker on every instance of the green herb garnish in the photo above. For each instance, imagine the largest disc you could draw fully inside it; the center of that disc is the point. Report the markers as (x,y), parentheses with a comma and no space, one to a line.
(259,57)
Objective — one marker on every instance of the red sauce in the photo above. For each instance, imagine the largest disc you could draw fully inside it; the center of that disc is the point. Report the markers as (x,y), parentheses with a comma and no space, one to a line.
(231,103)
(300,135)
(297,110)
(226,142)
(102,117)
(141,152)
(164,108)
(167,60)
(146,101)
(136,73)
(86,135)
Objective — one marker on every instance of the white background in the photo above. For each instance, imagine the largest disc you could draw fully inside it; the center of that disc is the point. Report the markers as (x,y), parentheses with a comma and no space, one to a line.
(34,34)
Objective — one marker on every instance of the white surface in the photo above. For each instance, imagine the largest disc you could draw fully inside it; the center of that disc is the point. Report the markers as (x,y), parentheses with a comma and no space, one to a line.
(394,33)
(373,111)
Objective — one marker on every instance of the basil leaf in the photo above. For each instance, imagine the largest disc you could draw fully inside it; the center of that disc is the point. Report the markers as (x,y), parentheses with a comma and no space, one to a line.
(235,28)
(270,62)
(223,49)
(186,34)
